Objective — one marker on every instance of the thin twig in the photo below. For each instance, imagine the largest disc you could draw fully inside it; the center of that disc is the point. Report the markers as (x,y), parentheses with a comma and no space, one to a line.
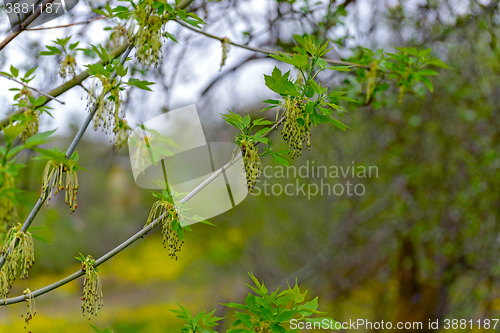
(31,88)
(68,25)
(135,237)
(21,27)
(265,51)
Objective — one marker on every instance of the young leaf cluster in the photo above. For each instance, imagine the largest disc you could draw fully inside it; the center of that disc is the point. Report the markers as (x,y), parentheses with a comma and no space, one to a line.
(267,311)
(248,143)
(304,101)
(201,323)
(408,68)
(263,312)
(60,174)
(67,66)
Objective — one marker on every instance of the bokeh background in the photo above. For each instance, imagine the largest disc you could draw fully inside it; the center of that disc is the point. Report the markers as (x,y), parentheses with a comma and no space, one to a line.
(422,242)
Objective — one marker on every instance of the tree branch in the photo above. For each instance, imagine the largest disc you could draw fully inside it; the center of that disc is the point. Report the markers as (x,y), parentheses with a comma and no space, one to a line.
(135,237)
(265,51)
(31,88)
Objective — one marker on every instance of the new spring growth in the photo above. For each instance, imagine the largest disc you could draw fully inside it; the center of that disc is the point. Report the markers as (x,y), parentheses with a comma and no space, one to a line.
(92,298)
(150,33)
(108,102)
(20,258)
(67,67)
(372,75)
(225,50)
(123,134)
(296,126)
(171,228)
(31,116)
(30,307)
(119,36)
(60,175)
(7,207)
(251,161)
(4,284)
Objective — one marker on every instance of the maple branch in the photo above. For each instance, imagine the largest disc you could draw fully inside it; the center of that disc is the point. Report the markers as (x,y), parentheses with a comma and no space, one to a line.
(137,235)
(265,51)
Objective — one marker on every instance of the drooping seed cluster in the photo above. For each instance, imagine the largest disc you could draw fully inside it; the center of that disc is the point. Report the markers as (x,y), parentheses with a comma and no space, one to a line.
(296,126)
(31,116)
(252,163)
(401,93)
(4,284)
(119,36)
(67,67)
(24,94)
(61,177)
(7,207)
(169,216)
(225,50)
(92,297)
(30,307)
(372,75)
(18,258)
(150,34)
(108,107)
(142,154)
(122,135)
(32,122)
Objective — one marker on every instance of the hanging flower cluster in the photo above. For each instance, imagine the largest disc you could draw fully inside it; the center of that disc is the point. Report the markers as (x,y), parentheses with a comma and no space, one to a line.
(119,36)
(92,297)
(31,115)
(19,258)
(67,67)
(4,285)
(150,33)
(32,122)
(61,176)
(7,207)
(171,228)
(372,75)
(30,307)
(108,107)
(296,126)
(123,133)
(251,161)
(23,95)
(225,50)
